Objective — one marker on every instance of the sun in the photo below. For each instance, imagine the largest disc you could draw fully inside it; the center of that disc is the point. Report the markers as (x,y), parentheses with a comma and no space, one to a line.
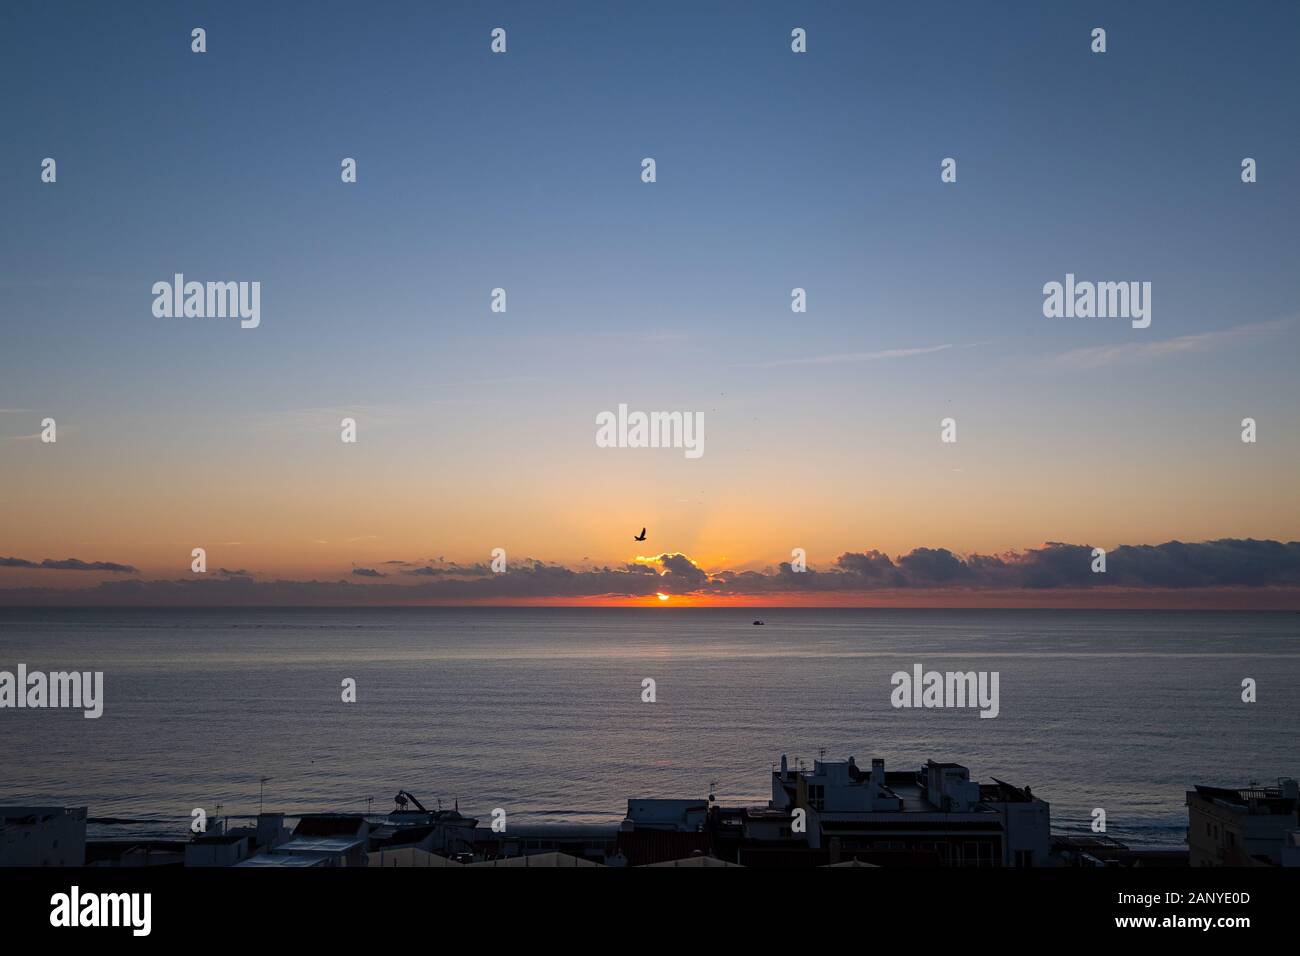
(661,596)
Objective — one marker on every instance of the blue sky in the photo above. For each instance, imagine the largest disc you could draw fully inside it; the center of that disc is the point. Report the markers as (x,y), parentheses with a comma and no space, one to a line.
(774,171)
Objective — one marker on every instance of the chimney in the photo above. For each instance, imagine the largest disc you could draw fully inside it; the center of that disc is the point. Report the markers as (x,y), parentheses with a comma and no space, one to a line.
(878,771)
(785,766)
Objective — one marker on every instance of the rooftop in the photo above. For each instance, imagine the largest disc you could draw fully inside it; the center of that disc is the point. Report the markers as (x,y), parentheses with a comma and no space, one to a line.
(1282,799)
(277,859)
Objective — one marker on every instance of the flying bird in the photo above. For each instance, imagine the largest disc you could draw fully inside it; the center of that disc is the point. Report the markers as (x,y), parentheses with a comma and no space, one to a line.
(641,536)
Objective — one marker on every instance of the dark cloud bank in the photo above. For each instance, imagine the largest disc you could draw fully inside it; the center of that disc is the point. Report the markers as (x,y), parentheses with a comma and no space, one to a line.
(68,564)
(1175,566)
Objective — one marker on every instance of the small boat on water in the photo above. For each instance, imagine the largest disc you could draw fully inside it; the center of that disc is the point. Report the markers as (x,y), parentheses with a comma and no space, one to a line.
(758,622)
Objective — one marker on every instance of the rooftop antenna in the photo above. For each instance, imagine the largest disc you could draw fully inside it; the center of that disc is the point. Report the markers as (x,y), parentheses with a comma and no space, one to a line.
(821,753)
(713,787)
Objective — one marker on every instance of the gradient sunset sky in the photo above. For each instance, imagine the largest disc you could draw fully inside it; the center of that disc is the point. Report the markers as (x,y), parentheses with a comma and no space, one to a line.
(522,171)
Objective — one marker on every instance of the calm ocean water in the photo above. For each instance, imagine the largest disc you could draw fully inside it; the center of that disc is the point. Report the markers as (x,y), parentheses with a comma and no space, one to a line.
(540,712)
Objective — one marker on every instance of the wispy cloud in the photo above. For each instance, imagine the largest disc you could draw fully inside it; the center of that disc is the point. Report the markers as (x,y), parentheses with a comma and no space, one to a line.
(1141,351)
(327,418)
(842,358)
(34,436)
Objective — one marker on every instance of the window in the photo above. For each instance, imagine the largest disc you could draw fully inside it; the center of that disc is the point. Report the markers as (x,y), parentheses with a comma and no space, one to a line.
(977,854)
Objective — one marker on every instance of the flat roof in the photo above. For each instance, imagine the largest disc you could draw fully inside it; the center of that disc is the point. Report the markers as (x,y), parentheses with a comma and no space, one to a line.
(296,859)
(323,844)
(540,859)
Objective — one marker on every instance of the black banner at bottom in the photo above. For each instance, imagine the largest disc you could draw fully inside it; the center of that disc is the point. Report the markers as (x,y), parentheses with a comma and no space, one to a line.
(335,905)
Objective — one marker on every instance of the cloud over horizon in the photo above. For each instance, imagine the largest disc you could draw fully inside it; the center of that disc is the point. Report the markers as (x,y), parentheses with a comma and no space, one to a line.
(1227,563)
(69,564)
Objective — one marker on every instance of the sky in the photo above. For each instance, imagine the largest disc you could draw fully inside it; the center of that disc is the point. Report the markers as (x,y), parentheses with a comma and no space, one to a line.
(522,171)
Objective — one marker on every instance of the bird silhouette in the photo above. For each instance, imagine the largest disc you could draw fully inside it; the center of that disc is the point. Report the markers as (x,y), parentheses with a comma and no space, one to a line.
(641,536)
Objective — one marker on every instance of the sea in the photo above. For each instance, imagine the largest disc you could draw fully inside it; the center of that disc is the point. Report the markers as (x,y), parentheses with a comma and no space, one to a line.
(544,712)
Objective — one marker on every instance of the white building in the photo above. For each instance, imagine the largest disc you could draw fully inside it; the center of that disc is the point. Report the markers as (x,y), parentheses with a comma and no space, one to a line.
(42,836)
(649,813)
(934,815)
(217,849)
(1250,826)
(319,839)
